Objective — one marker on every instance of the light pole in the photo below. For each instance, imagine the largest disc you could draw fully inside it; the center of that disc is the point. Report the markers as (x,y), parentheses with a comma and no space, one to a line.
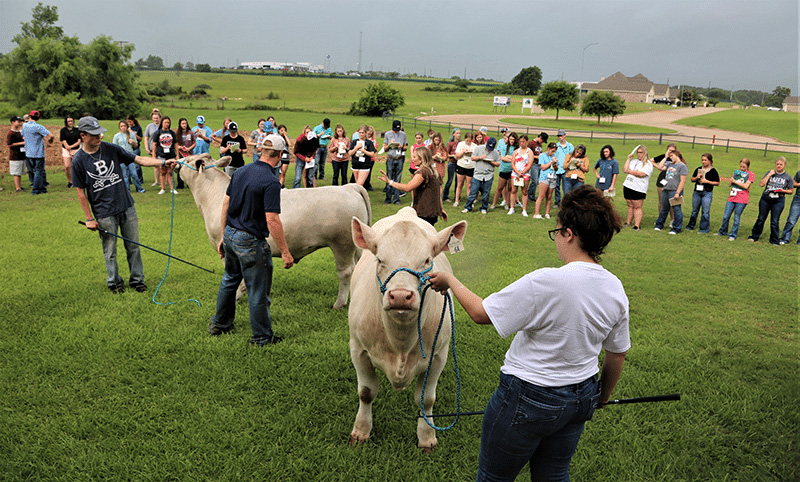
(580,89)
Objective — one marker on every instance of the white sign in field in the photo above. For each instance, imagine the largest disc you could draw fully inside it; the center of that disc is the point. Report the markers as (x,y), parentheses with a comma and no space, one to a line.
(500,101)
(527,104)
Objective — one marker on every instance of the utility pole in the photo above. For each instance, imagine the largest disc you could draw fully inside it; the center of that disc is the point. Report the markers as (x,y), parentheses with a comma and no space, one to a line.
(580,88)
(359,51)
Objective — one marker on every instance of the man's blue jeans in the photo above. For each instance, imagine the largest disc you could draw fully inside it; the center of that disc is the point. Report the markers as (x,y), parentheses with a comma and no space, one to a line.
(394,171)
(773,208)
(320,156)
(451,174)
(677,224)
(247,258)
(536,169)
(128,225)
(701,199)
(527,423)
(298,173)
(38,176)
(731,208)
(485,187)
(559,184)
(129,173)
(794,214)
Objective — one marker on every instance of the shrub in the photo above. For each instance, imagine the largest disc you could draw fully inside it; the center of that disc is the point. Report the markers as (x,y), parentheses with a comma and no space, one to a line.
(376,99)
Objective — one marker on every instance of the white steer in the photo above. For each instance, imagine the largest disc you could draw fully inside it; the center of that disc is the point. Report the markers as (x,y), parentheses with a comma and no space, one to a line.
(312,218)
(383,313)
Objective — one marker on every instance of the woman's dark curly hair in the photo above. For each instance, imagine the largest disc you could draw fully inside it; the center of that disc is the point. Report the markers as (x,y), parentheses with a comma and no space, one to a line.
(591,217)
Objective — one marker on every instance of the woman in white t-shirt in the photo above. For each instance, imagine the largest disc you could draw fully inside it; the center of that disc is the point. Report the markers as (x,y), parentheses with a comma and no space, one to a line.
(465,168)
(634,188)
(549,378)
(521,162)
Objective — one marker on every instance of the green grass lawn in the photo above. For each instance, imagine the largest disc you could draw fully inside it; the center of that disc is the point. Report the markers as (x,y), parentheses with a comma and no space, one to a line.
(97,386)
(585,125)
(781,125)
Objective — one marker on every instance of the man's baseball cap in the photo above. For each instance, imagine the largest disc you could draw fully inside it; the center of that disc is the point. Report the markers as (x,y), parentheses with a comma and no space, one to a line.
(503,130)
(276,142)
(267,126)
(311,135)
(201,119)
(34,114)
(490,144)
(233,126)
(326,122)
(396,125)
(15,118)
(90,125)
(484,130)
(562,132)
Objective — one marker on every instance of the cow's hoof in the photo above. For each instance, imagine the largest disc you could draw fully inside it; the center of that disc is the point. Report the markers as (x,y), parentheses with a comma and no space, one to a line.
(339,306)
(428,450)
(357,438)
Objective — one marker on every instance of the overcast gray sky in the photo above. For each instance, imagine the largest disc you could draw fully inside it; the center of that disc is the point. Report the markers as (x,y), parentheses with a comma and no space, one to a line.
(728,43)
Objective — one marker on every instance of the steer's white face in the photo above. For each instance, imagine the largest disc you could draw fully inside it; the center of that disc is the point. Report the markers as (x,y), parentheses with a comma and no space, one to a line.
(404,245)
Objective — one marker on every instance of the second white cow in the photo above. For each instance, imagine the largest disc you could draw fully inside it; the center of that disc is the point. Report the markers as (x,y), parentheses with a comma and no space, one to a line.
(312,218)
(383,312)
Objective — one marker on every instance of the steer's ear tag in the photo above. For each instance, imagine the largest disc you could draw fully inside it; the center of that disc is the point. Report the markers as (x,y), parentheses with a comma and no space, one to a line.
(455,245)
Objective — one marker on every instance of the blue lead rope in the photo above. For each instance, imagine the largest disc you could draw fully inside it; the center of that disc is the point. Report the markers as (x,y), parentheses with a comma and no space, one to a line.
(422,289)
(169,250)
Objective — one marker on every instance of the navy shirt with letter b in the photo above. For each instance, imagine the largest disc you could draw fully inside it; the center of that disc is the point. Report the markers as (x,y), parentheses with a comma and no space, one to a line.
(254,190)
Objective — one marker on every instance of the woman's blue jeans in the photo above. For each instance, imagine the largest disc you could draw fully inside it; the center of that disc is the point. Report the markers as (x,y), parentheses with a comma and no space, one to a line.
(732,208)
(701,199)
(528,423)
(665,207)
(247,258)
(768,207)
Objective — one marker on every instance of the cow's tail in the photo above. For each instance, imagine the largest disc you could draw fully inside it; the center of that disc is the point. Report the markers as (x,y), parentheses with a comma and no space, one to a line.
(365,196)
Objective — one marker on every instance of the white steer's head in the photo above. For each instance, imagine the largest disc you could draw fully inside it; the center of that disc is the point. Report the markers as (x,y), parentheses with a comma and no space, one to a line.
(404,247)
(199,166)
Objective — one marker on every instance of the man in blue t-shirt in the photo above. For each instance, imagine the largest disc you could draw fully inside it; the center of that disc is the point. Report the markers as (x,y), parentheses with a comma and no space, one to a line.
(203,135)
(563,148)
(324,134)
(251,213)
(35,135)
(106,200)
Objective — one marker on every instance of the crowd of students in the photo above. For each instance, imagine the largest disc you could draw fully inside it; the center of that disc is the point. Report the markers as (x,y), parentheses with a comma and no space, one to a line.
(528,170)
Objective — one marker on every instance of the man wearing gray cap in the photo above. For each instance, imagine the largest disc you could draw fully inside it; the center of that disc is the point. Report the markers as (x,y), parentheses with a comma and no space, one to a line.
(250,214)
(562,149)
(106,200)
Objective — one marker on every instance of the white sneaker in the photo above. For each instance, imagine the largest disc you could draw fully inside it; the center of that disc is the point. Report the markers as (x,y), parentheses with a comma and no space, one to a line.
(455,204)
(547,216)
(492,206)
(731,238)
(174,191)
(511,211)
(519,204)
(537,216)
(656,229)
(670,224)
(524,213)
(483,211)
(154,184)
(503,204)
(465,210)
(162,191)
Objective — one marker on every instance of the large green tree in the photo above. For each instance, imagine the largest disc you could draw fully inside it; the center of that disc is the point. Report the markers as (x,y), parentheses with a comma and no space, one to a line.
(59,76)
(602,104)
(559,95)
(528,81)
(376,99)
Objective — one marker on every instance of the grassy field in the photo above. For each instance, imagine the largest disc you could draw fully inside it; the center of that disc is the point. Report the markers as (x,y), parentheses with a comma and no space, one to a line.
(97,386)
(781,125)
(586,125)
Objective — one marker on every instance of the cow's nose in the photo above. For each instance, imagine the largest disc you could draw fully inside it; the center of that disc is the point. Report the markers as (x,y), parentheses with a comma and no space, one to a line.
(400,298)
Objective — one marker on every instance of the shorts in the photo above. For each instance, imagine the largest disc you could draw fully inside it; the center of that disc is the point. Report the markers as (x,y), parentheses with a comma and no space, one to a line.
(361,166)
(632,195)
(67,153)
(504,175)
(285,158)
(16,168)
(549,183)
(465,172)
(412,170)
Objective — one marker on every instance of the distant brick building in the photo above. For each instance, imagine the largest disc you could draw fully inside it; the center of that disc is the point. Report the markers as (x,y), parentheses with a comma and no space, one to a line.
(791,104)
(631,89)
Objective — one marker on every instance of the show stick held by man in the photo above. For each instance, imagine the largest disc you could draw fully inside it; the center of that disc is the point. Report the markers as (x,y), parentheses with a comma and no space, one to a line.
(106,200)
(250,214)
